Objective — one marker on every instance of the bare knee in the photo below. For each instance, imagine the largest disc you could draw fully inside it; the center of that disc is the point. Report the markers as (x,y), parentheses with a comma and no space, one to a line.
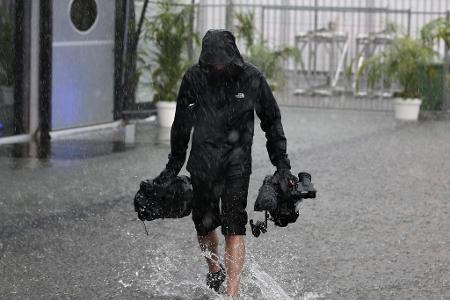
(235,245)
(234,238)
(209,239)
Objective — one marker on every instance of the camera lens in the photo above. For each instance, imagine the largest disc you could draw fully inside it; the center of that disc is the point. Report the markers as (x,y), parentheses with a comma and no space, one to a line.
(302,175)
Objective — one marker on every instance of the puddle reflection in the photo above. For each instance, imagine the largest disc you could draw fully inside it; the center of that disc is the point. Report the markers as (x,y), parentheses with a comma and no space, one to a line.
(64,149)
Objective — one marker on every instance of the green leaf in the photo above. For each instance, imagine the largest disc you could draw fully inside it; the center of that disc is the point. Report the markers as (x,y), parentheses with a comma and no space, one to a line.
(168,34)
(398,63)
(269,61)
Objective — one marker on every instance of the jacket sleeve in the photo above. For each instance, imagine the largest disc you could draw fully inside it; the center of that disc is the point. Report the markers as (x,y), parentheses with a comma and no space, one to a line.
(181,127)
(268,112)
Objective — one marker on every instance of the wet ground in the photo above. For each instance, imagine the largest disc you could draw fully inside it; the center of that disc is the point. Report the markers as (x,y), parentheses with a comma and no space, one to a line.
(380,228)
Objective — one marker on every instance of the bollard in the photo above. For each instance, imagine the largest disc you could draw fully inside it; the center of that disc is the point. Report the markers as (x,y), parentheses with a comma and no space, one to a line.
(130,133)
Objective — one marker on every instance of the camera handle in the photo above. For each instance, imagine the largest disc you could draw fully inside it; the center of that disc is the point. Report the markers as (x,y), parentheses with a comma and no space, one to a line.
(260,226)
(145,227)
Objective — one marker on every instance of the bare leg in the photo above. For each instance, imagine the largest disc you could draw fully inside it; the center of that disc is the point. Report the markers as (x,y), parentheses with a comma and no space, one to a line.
(234,261)
(210,242)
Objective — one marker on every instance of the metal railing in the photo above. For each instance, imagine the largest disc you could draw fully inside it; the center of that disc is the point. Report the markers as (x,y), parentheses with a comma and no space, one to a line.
(326,58)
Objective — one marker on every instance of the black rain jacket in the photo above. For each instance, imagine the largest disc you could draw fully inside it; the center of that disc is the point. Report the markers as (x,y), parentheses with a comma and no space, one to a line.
(220,108)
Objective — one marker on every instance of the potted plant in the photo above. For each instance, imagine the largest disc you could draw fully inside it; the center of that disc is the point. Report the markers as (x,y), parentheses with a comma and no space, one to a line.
(6,60)
(435,78)
(269,61)
(437,29)
(170,34)
(400,63)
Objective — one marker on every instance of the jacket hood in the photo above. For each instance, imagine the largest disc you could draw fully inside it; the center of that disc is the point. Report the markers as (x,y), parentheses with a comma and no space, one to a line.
(219,47)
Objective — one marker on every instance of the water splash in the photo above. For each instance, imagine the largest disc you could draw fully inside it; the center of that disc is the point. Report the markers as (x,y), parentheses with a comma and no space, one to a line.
(269,287)
(124,284)
(164,275)
(312,296)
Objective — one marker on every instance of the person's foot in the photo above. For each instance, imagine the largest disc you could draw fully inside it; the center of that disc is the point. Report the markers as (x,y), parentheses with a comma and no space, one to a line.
(214,280)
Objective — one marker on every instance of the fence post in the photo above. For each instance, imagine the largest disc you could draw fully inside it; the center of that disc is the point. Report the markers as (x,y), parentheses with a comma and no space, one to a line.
(387,11)
(409,21)
(316,27)
(261,30)
(316,15)
(191,28)
(370,17)
(229,15)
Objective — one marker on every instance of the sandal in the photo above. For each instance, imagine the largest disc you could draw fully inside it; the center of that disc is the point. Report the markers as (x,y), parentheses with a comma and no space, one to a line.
(214,280)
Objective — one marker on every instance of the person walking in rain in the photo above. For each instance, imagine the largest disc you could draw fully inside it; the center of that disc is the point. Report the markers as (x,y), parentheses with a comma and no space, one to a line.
(217,98)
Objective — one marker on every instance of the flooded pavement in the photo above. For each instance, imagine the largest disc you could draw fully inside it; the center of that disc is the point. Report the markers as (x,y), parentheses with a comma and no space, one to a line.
(379,228)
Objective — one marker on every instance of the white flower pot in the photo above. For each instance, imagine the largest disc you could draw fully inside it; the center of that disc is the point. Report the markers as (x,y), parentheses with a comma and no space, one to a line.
(407,109)
(6,95)
(166,113)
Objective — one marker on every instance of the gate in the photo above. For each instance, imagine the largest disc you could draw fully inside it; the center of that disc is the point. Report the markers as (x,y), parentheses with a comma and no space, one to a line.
(82,63)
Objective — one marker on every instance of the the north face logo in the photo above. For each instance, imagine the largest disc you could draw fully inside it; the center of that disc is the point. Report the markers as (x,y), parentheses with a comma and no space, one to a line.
(240,96)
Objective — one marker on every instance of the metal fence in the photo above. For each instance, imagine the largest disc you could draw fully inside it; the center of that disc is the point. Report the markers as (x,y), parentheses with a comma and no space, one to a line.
(330,35)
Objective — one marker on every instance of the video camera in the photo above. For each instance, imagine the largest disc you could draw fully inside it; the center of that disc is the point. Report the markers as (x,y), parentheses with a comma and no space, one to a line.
(282,208)
(172,199)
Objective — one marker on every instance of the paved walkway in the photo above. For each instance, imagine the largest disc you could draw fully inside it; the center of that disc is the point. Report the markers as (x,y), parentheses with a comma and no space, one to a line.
(378,230)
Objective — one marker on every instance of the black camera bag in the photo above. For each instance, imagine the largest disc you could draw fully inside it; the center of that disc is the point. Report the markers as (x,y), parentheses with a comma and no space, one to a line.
(169,200)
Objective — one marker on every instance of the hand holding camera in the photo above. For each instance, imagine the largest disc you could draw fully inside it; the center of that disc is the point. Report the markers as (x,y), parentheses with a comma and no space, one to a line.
(279,196)
(165,177)
(285,179)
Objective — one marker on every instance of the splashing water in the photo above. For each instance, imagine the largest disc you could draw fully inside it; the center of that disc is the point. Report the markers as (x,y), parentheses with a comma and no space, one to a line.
(255,276)
(164,275)
(269,287)
(312,296)
(124,284)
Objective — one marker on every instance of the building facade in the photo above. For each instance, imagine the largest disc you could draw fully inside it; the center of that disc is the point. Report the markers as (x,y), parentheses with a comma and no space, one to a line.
(61,64)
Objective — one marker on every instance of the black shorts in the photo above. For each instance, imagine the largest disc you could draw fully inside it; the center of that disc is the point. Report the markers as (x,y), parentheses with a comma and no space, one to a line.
(220,203)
